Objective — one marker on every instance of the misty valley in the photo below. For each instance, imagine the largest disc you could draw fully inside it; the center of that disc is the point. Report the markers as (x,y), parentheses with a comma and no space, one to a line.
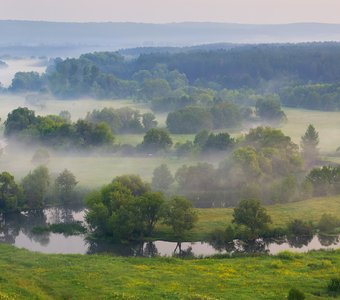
(198,155)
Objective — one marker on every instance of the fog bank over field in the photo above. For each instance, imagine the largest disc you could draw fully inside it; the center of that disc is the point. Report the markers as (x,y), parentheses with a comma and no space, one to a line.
(20,65)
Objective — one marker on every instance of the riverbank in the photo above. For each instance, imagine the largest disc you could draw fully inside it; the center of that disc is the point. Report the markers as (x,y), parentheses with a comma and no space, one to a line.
(210,219)
(28,275)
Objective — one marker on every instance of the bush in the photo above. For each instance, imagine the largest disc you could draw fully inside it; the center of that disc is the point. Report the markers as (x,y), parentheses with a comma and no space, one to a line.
(328,223)
(334,286)
(295,294)
(300,228)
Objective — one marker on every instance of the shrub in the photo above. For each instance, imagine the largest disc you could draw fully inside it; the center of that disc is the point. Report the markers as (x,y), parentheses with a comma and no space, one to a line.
(295,294)
(334,286)
(300,228)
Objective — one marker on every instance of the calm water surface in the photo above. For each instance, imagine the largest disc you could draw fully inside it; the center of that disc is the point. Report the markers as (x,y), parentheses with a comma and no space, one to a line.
(17,230)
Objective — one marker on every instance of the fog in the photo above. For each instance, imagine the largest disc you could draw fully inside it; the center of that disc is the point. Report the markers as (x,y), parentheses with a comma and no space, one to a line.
(20,65)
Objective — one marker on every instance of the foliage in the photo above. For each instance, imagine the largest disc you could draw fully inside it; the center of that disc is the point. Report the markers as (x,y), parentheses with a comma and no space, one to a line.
(333,286)
(251,214)
(123,120)
(180,216)
(191,119)
(156,139)
(295,294)
(10,193)
(328,223)
(27,81)
(74,228)
(126,209)
(162,178)
(35,186)
(65,184)
(269,109)
(300,228)
(318,96)
(325,180)
(55,131)
(309,143)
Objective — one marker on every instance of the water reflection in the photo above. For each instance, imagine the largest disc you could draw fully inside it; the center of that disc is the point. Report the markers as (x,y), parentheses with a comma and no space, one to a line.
(16,229)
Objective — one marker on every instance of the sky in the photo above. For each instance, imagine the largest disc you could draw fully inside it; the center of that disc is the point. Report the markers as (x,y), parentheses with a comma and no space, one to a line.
(167,11)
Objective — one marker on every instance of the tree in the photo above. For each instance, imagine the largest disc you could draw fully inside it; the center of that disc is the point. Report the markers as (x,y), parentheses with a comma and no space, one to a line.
(35,186)
(148,211)
(18,120)
(134,183)
(125,209)
(162,178)
(156,139)
(251,214)
(180,216)
(41,157)
(149,121)
(65,184)
(218,142)
(191,119)
(10,193)
(269,109)
(66,115)
(309,144)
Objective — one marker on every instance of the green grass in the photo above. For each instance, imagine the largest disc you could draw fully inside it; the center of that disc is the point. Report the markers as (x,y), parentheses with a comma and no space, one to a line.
(218,218)
(326,123)
(26,275)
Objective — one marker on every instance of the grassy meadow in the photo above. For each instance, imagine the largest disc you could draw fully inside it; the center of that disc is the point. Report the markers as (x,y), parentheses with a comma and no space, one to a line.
(210,219)
(326,123)
(27,275)
(98,169)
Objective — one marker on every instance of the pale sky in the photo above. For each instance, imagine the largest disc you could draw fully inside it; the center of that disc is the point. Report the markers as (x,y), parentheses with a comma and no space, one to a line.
(165,11)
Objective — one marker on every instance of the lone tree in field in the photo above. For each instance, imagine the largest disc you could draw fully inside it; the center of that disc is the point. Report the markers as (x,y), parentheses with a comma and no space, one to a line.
(309,143)
(251,214)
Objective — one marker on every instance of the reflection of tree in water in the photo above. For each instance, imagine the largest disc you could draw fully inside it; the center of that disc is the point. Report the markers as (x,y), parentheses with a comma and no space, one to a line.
(179,252)
(60,215)
(299,241)
(116,249)
(150,249)
(328,240)
(239,246)
(12,224)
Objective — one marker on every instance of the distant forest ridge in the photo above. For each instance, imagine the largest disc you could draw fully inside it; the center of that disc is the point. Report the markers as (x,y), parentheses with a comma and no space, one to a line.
(72,39)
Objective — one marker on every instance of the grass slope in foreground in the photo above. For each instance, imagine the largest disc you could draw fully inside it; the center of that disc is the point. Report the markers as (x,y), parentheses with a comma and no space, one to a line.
(27,275)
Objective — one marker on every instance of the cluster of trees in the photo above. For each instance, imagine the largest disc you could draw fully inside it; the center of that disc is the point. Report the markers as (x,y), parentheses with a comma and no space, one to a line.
(123,120)
(127,210)
(28,81)
(56,131)
(320,96)
(251,222)
(36,190)
(172,81)
(266,165)
(193,119)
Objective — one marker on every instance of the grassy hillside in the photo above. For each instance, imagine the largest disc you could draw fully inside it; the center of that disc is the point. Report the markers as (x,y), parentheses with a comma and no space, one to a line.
(26,275)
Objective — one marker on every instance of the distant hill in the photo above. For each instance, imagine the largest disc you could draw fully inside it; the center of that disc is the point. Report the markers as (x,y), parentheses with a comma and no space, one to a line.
(72,39)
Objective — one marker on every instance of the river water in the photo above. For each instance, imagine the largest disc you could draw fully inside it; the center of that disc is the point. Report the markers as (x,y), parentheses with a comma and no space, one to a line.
(17,230)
